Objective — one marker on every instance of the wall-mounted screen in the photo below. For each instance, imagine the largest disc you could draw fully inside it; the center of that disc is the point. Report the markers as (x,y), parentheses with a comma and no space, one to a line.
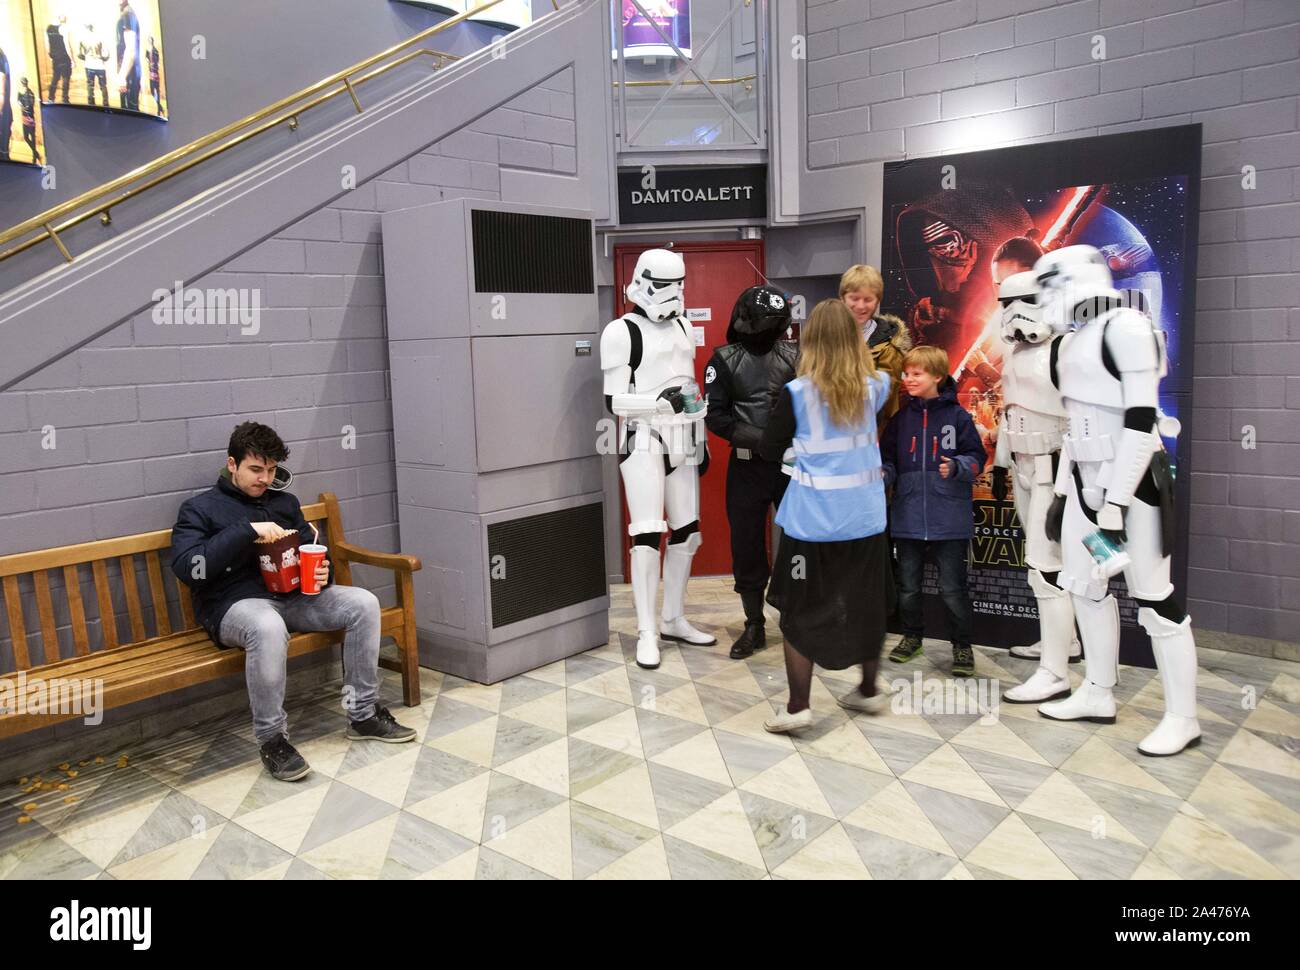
(103,54)
(649,25)
(21,136)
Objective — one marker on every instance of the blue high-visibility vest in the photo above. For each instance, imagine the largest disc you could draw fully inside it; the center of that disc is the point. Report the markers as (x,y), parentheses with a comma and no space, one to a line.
(837,490)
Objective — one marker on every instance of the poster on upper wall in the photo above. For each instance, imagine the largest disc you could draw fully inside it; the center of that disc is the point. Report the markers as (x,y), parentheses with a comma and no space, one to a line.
(102,54)
(510,14)
(647,26)
(1134,196)
(22,139)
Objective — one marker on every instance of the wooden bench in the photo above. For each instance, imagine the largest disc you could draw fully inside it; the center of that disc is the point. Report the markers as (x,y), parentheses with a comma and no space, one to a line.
(177,652)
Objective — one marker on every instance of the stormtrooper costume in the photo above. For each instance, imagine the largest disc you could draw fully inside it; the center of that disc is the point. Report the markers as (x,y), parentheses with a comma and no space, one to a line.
(1029,446)
(647,357)
(1113,484)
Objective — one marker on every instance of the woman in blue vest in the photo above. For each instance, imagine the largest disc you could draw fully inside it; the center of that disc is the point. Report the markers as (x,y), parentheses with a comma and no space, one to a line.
(831,580)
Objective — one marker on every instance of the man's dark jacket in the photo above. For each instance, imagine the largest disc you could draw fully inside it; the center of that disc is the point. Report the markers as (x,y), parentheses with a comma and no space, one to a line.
(213,531)
(739,380)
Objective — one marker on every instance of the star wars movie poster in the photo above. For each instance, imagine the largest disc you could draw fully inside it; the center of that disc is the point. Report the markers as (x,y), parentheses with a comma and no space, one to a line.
(102,54)
(22,138)
(956,225)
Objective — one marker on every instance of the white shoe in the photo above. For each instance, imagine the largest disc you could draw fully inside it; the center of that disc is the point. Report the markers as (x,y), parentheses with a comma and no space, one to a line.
(783,721)
(1088,703)
(647,651)
(680,631)
(1042,686)
(1171,735)
(878,703)
(1035,651)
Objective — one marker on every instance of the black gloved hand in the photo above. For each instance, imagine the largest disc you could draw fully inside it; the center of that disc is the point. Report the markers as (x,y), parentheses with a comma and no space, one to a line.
(1055,518)
(999,483)
(673,395)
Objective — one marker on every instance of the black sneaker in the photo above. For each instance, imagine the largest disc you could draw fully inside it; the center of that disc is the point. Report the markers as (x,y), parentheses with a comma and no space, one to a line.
(283,761)
(963,662)
(907,648)
(380,726)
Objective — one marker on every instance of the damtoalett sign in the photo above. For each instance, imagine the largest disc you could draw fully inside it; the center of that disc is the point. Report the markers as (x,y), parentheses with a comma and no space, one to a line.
(692,194)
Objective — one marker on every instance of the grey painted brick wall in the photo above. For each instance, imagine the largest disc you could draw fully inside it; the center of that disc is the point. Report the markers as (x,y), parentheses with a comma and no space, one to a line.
(892,78)
(143,414)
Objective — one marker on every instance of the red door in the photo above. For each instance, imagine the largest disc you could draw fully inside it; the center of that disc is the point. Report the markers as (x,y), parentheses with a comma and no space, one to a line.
(716,273)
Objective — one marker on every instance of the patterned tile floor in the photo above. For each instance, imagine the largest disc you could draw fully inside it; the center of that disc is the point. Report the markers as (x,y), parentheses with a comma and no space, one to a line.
(593,768)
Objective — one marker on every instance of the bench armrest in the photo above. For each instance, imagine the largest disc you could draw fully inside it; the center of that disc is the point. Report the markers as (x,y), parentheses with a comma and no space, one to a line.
(385,560)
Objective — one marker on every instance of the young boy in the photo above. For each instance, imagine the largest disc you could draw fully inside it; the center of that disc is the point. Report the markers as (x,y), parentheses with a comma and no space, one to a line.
(862,288)
(931,453)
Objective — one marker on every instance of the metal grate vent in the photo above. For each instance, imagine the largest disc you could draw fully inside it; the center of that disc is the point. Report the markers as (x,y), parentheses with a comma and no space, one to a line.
(542,563)
(515,252)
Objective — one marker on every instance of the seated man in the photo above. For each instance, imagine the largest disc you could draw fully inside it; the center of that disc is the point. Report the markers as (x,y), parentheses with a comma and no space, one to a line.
(213,553)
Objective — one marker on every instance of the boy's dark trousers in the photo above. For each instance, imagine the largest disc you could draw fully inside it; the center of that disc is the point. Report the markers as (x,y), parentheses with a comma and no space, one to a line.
(950,556)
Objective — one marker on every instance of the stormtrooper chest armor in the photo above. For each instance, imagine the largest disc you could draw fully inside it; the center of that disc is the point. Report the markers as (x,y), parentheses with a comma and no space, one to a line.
(1035,416)
(667,354)
(1093,395)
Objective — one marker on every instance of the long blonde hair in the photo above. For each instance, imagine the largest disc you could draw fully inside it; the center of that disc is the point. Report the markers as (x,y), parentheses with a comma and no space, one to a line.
(833,355)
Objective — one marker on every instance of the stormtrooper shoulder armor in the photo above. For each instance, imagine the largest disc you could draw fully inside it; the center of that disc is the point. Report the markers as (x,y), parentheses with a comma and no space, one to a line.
(1131,342)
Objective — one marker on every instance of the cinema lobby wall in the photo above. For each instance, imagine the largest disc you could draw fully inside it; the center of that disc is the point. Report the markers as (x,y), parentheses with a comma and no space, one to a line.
(144,410)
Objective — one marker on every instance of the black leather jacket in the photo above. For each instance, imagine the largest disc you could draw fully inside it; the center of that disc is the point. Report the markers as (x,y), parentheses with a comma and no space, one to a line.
(738,380)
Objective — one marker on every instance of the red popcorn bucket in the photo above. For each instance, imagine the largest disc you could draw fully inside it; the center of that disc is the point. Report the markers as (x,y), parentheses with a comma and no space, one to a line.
(278,562)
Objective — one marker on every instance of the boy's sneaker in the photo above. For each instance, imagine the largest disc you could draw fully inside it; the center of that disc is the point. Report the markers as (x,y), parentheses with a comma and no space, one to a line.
(283,761)
(963,662)
(380,726)
(907,648)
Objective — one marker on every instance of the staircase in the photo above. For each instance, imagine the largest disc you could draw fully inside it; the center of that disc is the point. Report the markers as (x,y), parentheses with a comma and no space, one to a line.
(63,308)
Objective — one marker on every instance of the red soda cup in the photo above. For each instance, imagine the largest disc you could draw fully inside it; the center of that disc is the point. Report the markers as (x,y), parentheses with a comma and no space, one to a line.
(310,556)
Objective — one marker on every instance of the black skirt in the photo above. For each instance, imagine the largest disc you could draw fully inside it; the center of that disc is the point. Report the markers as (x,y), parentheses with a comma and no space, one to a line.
(836,600)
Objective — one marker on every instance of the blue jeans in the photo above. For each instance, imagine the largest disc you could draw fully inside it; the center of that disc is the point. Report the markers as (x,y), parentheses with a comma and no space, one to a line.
(261,627)
(950,557)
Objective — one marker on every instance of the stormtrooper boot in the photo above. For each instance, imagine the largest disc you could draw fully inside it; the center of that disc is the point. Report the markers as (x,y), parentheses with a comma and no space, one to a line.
(645,584)
(1035,651)
(1175,652)
(1094,700)
(1056,624)
(677,570)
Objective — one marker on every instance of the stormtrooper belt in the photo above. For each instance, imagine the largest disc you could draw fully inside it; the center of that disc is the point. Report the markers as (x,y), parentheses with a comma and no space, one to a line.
(1033,442)
(1099,448)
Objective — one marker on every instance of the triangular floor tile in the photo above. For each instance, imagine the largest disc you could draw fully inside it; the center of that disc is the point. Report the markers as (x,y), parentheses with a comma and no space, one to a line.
(963,822)
(600,838)
(647,861)
(237,853)
(418,846)
(746,757)
(285,823)
(895,813)
(889,858)
(678,795)
(832,855)
(791,782)
(659,731)
(459,808)
(686,860)
(845,786)
(343,810)
(946,770)
(1014,850)
(1011,778)
(511,803)
(544,842)
(779,828)
(546,767)
(358,854)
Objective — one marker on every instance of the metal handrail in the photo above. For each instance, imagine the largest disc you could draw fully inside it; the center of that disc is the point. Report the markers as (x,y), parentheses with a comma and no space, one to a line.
(288,110)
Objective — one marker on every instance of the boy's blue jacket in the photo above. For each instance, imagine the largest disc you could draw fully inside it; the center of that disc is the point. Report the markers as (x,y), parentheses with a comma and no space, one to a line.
(926,505)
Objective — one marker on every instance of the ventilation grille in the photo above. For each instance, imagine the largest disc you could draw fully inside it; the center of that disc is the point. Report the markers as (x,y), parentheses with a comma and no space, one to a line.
(545,562)
(519,253)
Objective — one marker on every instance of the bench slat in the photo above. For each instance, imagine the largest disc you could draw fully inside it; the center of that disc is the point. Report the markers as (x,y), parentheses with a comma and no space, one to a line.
(80,639)
(45,609)
(158,593)
(17,630)
(107,618)
(132,589)
(101,660)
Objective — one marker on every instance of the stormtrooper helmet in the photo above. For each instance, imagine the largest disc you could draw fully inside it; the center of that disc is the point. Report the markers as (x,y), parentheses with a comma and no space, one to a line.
(1022,319)
(1075,286)
(657,285)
